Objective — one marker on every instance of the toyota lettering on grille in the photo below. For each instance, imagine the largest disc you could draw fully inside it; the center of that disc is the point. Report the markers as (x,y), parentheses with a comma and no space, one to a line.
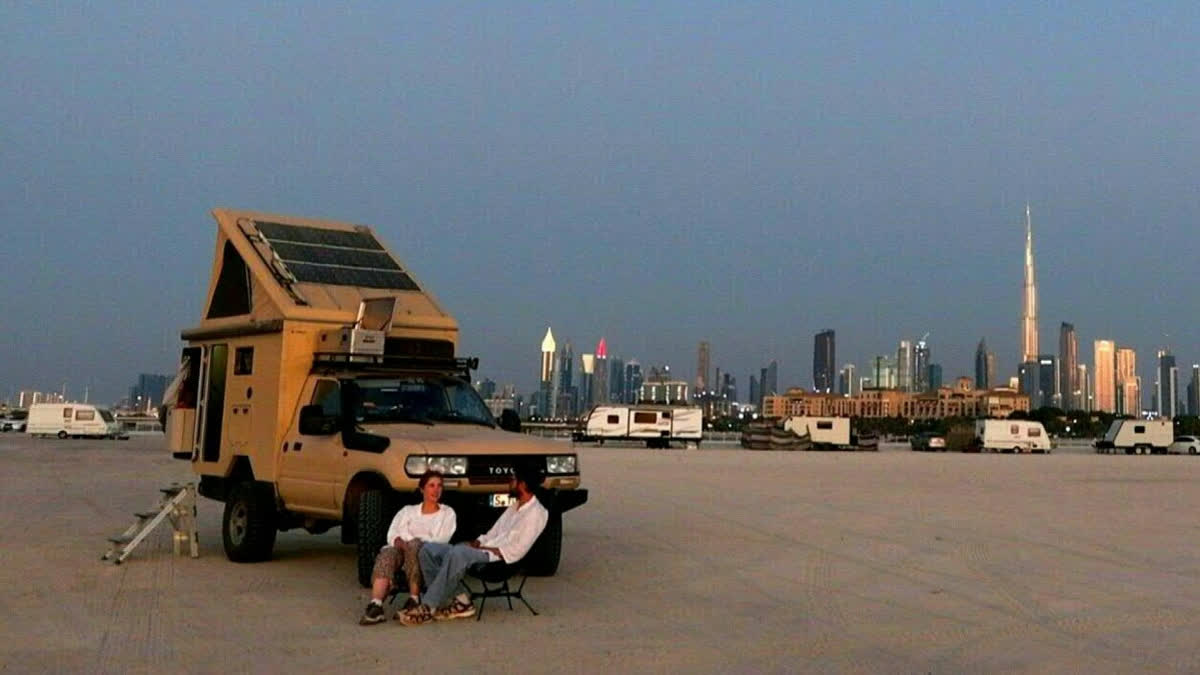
(500,470)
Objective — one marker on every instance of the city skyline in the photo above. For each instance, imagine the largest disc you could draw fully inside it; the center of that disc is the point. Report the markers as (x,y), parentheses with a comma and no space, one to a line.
(747,175)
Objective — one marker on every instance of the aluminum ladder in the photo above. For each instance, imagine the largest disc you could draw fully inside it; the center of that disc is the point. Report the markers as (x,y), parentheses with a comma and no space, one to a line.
(177,505)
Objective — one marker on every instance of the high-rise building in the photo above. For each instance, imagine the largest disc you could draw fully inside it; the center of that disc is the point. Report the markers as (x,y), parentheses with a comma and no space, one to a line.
(548,349)
(1047,394)
(920,369)
(1129,385)
(1194,391)
(149,391)
(768,380)
(1104,376)
(703,363)
(587,376)
(983,378)
(755,393)
(1168,385)
(546,395)
(848,381)
(1028,375)
(1068,362)
(933,377)
(1029,329)
(1084,394)
(824,356)
(883,373)
(991,371)
(566,396)
(600,381)
(904,366)
(633,381)
(616,380)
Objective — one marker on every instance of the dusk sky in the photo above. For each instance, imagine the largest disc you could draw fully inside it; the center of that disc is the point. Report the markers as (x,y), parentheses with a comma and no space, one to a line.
(657,174)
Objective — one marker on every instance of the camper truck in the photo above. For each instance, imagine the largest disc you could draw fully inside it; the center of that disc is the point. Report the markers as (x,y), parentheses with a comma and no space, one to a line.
(71,420)
(657,425)
(1011,436)
(322,380)
(1137,437)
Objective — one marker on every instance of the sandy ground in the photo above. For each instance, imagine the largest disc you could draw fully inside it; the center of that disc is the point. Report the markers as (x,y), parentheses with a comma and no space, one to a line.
(699,561)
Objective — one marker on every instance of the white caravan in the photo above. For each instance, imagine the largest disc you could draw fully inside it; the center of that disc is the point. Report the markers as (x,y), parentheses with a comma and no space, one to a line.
(824,431)
(657,425)
(71,419)
(1011,436)
(1137,437)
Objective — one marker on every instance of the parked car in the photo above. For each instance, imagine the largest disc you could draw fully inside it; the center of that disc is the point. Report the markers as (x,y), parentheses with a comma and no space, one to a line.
(14,422)
(1185,444)
(928,442)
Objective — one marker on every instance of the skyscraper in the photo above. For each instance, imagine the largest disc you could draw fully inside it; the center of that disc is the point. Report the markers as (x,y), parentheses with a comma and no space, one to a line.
(1047,382)
(600,381)
(933,378)
(587,376)
(767,381)
(633,381)
(546,393)
(1029,329)
(982,376)
(616,382)
(1104,376)
(1084,399)
(755,393)
(920,371)
(1068,362)
(847,383)
(904,366)
(1194,391)
(566,402)
(703,363)
(1129,385)
(824,356)
(1168,384)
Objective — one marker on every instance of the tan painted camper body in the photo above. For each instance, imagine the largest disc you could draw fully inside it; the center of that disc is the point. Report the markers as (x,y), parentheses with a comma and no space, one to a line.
(284,324)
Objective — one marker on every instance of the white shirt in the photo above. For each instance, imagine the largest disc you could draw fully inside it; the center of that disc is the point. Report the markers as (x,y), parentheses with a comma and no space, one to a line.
(516,530)
(410,523)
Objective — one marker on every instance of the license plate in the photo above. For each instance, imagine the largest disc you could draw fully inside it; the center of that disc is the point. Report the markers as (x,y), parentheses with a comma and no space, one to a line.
(500,500)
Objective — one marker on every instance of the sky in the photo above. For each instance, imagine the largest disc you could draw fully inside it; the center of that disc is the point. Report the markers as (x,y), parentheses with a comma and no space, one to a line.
(657,174)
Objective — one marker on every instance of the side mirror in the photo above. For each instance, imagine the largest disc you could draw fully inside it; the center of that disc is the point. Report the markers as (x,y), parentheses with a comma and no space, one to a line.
(314,421)
(510,420)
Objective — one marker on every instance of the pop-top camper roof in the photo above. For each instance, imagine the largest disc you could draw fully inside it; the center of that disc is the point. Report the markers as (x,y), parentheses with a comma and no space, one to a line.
(269,268)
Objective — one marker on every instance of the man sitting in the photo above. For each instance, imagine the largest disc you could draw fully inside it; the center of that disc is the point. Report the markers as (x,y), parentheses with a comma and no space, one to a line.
(512,536)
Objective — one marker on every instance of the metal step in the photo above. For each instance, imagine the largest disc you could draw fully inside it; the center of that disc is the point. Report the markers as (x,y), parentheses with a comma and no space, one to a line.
(146,515)
(120,540)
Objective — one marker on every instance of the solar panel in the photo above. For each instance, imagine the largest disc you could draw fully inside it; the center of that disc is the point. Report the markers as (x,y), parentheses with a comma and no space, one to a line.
(335,257)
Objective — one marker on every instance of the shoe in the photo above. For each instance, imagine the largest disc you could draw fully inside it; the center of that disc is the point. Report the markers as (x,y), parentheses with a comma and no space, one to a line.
(459,609)
(372,614)
(416,616)
(409,605)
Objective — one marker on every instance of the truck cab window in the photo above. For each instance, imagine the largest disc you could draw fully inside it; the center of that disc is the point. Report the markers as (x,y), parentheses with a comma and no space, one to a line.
(327,395)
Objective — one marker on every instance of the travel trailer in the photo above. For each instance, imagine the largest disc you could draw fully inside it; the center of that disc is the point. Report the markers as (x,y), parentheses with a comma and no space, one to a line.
(71,420)
(1137,437)
(825,432)
(323,380)
(657,425)
(1011,436)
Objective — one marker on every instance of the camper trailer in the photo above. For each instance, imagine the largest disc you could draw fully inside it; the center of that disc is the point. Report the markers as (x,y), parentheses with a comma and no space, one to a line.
(1011,436)
(71,420)
(1137,437)
(657,425)
(322,380)
(826,432)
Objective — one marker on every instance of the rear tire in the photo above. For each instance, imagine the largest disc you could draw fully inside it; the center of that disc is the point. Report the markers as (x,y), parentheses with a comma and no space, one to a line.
(248,525)
(1192,450)
(62,435)
(542,559)
(373,520)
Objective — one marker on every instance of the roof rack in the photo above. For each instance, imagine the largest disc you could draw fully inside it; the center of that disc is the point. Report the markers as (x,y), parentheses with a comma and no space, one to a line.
(390,363)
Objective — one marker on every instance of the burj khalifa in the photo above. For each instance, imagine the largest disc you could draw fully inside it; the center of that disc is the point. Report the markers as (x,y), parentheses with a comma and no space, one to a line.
(1029,329)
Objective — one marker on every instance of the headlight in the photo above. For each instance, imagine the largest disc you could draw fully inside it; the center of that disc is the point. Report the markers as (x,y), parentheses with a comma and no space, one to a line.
(415,465)
(560,464)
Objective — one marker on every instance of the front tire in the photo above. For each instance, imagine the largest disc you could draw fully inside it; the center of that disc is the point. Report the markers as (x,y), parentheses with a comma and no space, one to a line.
(542,559)
(62,435)
(372,523)
(248,525)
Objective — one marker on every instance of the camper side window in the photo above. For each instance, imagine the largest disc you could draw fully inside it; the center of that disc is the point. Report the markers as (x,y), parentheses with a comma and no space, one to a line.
(825,425)
(85,415)
(67,413)
(666,414)
(327,395)
(614,419)
(1034,432)
(645,418)
(1139,429)
(243,361)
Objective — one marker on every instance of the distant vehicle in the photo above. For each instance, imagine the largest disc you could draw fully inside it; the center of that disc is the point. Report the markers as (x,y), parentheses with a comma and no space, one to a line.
(73,420)
(928,442)
(1011,436)
(1188,445)
(657,425)
(1137,437)
(15,421)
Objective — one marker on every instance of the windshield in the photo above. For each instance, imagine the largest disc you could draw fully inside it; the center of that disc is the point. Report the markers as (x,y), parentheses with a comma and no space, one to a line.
(105,415)
(420,399)
(18,415)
